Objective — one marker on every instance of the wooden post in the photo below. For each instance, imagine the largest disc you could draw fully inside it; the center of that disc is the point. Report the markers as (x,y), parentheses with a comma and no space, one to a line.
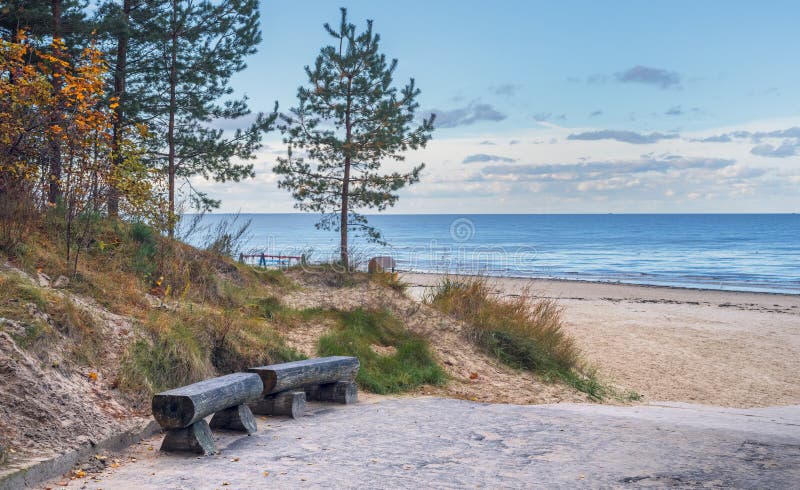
(238,418)
(345,392)
(196,438)
(291,403)
(297,374)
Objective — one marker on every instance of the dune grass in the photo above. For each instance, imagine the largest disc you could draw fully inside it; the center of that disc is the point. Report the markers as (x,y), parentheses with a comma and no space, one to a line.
(407,361)
(523,332)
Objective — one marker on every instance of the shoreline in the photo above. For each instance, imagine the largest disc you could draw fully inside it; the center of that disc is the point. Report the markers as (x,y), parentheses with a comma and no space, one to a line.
(599,282)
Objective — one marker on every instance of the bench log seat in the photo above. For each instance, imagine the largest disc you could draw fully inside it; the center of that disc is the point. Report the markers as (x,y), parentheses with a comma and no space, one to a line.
(182,411)
(287,386)
(297,374)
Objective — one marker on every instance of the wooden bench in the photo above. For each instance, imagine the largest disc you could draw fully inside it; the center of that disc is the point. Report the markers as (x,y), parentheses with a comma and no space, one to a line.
(182,411)
(287,386)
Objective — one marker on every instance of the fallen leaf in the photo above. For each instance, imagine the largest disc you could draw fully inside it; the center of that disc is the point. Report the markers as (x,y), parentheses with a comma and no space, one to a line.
(266,473)
(92,376)
(234,460)
(79,473)
(473,375)
(226,483)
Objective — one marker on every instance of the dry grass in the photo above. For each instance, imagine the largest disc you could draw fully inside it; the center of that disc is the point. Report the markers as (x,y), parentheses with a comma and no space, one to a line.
(209,326)
(523,332)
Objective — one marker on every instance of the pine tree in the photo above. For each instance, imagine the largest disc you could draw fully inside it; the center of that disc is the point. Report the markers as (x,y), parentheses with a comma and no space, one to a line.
(32,16)
(199,46)
(121,26)
(348,121)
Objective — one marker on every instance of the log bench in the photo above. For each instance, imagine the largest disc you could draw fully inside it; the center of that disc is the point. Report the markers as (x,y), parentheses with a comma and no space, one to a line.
(288,385)
(182,411)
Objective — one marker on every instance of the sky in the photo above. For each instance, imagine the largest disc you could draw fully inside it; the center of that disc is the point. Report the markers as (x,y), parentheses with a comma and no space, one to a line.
(565,107)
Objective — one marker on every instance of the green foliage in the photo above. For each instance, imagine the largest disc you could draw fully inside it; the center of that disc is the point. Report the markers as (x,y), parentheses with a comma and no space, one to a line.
(143,261)
(348,121)
(411,365)
(174,357)
(197,47)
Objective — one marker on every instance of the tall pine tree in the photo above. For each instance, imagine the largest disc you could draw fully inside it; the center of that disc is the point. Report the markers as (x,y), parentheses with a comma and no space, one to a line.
(349,120)
(199,45)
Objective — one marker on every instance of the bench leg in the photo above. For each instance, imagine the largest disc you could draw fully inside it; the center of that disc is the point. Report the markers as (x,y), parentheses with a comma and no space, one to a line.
(238,418)
(345,392)
(196,438)
(291,403)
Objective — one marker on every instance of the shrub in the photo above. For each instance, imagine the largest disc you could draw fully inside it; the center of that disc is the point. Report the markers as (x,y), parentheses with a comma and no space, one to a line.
(176,354)
(523,332)
(410,365)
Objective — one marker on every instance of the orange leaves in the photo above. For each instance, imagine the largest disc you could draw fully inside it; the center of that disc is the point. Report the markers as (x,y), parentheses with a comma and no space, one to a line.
(57,99)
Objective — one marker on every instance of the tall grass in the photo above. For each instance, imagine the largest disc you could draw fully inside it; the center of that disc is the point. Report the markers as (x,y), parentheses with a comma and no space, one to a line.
(523,332)
(410,365)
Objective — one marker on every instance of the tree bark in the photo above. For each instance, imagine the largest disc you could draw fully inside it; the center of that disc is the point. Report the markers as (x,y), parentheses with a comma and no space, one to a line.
(291,403)
(196,438)
(54,187)
(297,374)
(344,392)
(173,82)
(346,181)
(238,418)
(119,92)
(181,407)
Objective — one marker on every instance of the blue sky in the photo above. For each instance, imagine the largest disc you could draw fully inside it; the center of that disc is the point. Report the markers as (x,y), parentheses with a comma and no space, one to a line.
(568,106)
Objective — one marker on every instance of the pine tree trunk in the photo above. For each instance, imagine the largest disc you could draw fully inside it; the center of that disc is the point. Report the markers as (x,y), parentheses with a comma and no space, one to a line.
(173,81)
(346,182)
(345,191)
(119,92)
(54,189)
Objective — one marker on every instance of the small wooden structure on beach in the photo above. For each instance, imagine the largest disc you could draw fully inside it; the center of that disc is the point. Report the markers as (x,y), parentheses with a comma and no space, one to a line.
(267,260)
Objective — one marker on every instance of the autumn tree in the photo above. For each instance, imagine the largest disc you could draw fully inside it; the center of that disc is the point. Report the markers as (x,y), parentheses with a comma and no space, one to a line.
(349,120)
(199,46)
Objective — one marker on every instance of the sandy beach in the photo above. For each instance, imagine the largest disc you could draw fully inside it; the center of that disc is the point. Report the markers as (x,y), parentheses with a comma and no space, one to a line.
(732,349)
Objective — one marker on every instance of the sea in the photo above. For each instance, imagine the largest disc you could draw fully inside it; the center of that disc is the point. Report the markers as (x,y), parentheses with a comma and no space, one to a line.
(736,252)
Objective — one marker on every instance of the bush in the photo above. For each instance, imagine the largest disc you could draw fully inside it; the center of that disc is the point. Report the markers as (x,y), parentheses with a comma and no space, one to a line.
(143,261)
(176,354)
(523,332)
(410,365)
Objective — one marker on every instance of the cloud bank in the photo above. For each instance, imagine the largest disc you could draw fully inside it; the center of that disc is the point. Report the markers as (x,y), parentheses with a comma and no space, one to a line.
(631,137)
(464,116)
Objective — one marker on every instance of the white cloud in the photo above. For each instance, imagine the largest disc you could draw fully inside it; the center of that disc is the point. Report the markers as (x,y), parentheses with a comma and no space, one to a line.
(731,179)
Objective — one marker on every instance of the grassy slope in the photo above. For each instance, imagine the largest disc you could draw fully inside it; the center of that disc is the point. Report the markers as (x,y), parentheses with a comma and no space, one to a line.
(216,316)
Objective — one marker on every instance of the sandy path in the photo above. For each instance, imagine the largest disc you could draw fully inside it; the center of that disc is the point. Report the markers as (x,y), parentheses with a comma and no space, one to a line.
(446,443)
(714,347)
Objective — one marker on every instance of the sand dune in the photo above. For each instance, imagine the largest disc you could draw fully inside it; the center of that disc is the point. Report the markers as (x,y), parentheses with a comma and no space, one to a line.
(714,347)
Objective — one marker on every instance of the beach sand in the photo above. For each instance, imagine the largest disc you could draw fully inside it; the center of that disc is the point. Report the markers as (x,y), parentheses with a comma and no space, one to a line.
(732,349)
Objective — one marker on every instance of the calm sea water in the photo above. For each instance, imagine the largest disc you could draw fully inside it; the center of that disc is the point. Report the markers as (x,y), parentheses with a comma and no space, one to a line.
(755,252)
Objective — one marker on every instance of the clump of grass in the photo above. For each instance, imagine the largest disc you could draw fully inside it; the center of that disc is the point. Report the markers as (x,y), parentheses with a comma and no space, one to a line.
(523,332)
(410,365)
(196,343)
(79,325)
(274,277)
(176,354)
